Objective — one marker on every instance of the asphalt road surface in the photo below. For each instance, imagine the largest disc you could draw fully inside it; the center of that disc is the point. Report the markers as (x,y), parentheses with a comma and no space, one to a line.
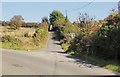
(49,61)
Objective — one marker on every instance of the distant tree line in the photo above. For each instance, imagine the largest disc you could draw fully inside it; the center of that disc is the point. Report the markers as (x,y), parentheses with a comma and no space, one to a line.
(17,21)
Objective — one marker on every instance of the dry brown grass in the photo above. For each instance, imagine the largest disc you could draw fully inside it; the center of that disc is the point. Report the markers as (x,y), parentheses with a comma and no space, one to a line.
(6,30)
(26,41)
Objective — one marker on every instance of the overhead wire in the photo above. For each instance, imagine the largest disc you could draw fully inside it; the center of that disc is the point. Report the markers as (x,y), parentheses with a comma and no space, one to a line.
(81,7)
(68,12)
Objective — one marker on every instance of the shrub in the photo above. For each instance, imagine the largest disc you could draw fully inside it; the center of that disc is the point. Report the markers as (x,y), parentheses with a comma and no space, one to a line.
(64,46)
(16,21)
(104,41)
(5,38)
(83,38)
(8,38)
(66,32)
(40,36)
(113,67)
(106,44)
(26,34)
(11,41)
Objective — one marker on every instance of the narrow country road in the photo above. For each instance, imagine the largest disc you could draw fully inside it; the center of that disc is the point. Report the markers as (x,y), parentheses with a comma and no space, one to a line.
(49,61)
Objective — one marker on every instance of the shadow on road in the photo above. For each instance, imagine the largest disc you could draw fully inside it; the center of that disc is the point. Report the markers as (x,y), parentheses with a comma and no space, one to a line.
(57,43)
(76,60)
(56,36)
(81,63)
(72,58)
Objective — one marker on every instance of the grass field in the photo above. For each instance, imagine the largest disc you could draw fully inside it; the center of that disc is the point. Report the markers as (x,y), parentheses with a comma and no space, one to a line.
(6,30)
(26,42)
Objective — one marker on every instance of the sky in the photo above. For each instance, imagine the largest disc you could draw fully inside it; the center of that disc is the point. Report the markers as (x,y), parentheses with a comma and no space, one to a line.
(59,0)
(35,11)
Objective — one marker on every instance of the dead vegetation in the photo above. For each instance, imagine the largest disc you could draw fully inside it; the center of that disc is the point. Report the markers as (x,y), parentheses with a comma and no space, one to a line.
(26,41)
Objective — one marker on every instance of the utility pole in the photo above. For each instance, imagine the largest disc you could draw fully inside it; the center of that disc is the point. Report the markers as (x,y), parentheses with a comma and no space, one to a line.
(66,18)
(66,13)
(119,7)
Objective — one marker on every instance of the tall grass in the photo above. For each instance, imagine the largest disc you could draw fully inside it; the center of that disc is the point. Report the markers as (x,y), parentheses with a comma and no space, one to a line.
(26,42)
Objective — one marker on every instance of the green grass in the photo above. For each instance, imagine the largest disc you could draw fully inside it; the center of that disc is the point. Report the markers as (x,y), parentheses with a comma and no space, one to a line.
(108,64)
(64,46)
(113,67)
(71,53)
(15,47)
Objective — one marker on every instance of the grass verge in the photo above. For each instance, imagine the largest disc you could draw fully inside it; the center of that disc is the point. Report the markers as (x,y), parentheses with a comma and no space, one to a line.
(108,64)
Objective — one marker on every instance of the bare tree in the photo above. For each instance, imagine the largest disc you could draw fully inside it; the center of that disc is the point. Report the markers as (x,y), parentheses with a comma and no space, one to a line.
(84,18)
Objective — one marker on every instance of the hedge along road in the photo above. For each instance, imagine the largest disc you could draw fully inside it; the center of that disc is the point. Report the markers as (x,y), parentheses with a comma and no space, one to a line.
(49,61)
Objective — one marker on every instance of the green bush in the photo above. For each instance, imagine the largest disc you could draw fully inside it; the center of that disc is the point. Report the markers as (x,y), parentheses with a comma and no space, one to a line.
(83,38)
(64,46)
(26,34)
(65,33)
(8,38)
(113,67)
(10,41)
(40,36)
(106,43)
(5,38)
